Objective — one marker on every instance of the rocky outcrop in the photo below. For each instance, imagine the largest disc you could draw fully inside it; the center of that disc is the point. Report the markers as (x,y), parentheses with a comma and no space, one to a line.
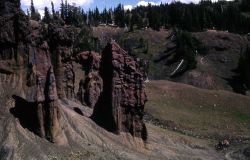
(91,87)
(24,51)
(14,33)
(121,104)
(89,60)
(113,83)
(60,42)
(69,80)
(42,83)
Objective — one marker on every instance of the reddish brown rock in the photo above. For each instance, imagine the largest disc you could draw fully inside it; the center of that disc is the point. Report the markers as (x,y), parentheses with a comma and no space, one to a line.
(14,31)
(121,104)
(93,88)
(89,60)
(23,44)
(60,42)
(69,80)
(113,85)
(90,88)
(42,83)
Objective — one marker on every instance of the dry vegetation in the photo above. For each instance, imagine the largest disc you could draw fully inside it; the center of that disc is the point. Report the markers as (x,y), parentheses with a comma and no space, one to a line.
(213,114)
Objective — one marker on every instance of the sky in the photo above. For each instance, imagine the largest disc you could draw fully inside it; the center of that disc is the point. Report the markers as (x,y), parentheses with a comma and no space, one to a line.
(91,4)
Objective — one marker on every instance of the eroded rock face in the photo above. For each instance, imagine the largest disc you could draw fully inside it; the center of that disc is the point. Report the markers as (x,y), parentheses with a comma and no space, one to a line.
(60,42)
(42,83)
(91,87)
(23,44)
(69,80)
(121,104)
(113,84)
(14,31)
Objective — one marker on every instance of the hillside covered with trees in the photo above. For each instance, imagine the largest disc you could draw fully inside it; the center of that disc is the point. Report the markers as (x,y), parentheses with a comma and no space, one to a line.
(222,15)
(183,19)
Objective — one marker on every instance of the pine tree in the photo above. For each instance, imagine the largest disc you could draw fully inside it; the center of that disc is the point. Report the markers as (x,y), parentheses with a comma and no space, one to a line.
(66,11)
(28,13)
(119,14)
(104,16)
(96,16)
(32,9)
(62,10)
(185,48)
(53,10)
(132,22)
(33,14)
(46,18)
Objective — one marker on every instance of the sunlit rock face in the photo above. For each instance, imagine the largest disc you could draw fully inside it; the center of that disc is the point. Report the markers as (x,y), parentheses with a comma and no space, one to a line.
(26,66)
(42,83)
(61,42)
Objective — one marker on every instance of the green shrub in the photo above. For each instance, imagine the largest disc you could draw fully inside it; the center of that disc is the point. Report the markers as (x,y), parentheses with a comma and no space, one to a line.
(185,48)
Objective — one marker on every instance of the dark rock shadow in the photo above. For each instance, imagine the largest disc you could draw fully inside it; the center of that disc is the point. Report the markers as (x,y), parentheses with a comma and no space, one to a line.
(78,110)
(26,112)
(102,113)
(144,133)
(236,82)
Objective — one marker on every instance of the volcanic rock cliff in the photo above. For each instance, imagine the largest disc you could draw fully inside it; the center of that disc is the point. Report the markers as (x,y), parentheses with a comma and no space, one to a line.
(36,60)
(121,104)
(25,51)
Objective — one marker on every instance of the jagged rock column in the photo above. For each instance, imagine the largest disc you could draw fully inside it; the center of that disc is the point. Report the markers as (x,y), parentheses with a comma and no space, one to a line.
(60,42)
(42,83)
(121,104)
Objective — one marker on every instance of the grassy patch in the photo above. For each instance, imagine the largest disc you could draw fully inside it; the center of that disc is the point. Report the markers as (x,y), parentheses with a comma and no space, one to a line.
(204,112)
(242,116)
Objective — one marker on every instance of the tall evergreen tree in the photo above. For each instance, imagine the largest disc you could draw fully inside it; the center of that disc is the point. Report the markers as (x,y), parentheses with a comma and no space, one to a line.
(32,9)
(28,13)
(46,18)
(33,14)
(62,10)
(185,48)
(119,15)
(53,9)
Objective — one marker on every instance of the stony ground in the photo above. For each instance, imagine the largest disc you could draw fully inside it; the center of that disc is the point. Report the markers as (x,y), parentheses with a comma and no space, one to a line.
(184,129)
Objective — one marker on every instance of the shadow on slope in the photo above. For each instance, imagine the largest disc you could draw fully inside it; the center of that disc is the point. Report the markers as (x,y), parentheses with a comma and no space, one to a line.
(26,113)
(236,83)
